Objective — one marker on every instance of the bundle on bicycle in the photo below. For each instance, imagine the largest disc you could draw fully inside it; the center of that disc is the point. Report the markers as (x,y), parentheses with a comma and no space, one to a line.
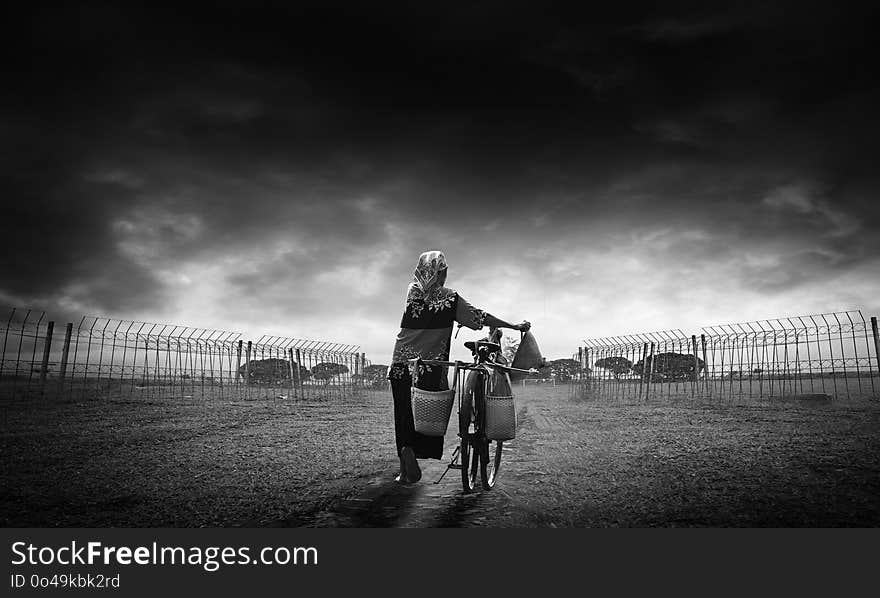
(486,410)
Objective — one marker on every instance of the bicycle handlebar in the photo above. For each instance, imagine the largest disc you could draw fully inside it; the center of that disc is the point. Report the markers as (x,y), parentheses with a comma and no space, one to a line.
(462,365)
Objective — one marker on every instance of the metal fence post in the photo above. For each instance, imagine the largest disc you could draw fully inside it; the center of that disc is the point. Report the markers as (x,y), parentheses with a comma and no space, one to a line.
(580,362)
(705,360)
(44,366)
(65,351)
(291,367)
(247,368)
(642,381)
(588,378)
(876,342)
(298,370)
(238,363)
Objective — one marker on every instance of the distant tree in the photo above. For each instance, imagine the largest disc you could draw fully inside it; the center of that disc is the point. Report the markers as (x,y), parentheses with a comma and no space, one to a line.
(270,371)
(265,370)
(669,367)
(376,376)
(304,373)
(327,370)
(564,370)
(617,365)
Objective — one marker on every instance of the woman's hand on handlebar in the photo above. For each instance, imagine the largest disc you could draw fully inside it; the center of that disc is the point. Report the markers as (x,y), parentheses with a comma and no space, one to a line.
(493,322)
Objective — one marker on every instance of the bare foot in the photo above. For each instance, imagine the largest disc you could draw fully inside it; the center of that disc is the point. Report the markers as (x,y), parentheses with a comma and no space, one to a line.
(411,465)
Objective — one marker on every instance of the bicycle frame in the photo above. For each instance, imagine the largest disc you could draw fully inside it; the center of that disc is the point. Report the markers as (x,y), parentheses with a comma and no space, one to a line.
(474,446)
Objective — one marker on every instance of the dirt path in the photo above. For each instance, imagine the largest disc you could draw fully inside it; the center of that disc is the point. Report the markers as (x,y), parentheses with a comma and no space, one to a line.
(433,502)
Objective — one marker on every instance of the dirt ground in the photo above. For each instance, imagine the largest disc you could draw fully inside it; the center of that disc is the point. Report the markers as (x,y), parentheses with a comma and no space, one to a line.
(128,461)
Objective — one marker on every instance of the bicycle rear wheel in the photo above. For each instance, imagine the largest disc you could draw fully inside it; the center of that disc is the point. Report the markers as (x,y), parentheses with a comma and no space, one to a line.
(470,463)
(470,449)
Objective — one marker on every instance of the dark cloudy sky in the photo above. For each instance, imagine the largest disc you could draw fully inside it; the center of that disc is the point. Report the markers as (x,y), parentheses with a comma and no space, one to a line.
(279,168)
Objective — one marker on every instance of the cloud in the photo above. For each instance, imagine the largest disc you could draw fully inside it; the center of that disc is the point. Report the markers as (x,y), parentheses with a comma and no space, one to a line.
(803,200)
(794,197)
(678,30)
(596,176)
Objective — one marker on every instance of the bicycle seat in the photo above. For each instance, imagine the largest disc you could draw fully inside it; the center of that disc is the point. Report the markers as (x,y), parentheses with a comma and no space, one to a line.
(475,346)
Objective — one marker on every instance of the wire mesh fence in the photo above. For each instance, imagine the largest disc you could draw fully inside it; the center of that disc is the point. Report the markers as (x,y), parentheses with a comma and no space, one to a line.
(98,355)
(820,356)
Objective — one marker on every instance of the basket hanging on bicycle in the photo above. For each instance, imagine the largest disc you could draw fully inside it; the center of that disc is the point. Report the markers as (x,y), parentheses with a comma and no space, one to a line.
(500,406)
(500,417)
(431,409)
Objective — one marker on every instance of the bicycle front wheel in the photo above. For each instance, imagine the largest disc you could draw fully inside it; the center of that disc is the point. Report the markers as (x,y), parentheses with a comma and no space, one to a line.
(490,462)
(490,450)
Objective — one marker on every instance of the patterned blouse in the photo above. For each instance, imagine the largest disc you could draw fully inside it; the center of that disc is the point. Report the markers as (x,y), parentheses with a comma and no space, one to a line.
(426,326)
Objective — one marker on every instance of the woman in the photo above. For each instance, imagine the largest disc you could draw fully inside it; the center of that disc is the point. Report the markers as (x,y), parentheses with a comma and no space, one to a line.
(425,332)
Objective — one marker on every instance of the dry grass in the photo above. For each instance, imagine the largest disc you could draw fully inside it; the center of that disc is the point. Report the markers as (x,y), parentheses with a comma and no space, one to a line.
(582,462)
(129,461)
(185,462)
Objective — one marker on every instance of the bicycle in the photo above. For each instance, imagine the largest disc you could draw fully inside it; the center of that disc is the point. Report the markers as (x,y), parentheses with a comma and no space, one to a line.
(475,449)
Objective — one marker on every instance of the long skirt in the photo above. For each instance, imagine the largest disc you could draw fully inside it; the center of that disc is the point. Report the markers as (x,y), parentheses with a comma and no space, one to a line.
(425,447)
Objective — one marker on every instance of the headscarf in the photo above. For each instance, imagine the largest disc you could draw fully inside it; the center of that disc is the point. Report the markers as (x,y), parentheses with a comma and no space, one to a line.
(427,272)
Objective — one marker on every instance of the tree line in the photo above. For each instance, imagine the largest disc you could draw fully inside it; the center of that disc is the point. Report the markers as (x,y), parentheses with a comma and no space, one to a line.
(662,367)
(278,371)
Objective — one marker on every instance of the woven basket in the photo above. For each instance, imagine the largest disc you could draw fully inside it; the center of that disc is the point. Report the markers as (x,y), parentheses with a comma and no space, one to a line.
(431,410)
(500,417)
